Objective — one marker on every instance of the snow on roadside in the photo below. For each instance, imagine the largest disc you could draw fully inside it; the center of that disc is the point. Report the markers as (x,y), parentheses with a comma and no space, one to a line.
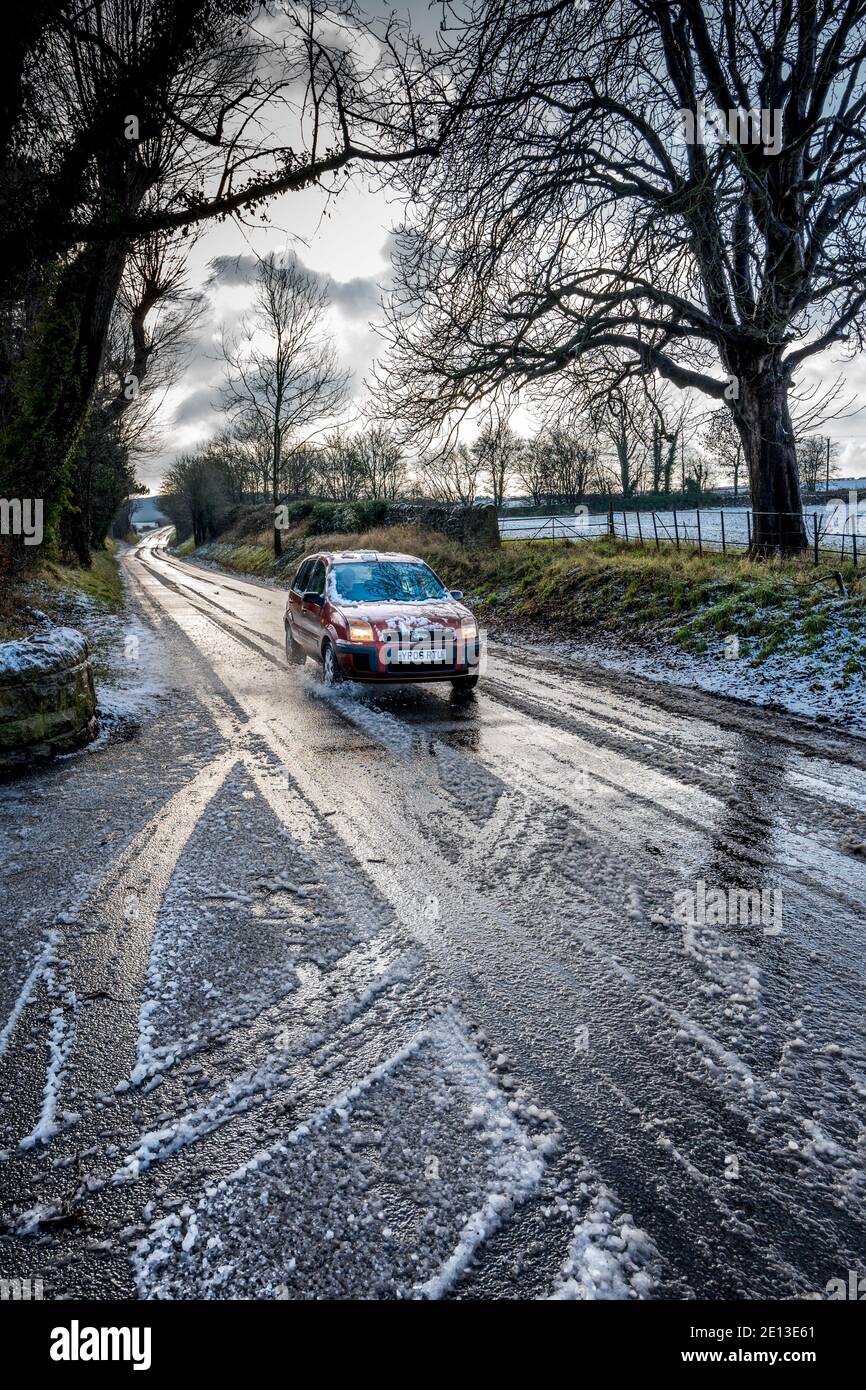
(799,685)
(132,684)
(126,654)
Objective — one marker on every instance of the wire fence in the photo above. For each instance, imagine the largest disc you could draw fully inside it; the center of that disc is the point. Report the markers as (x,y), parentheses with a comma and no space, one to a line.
(834,533)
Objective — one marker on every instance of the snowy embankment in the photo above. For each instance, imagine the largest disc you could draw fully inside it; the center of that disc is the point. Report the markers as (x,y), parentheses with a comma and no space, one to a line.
(807,684)
(82,668)
(131,680)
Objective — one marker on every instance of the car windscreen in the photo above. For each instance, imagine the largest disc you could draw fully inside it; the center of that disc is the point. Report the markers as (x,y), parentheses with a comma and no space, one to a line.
(386,581)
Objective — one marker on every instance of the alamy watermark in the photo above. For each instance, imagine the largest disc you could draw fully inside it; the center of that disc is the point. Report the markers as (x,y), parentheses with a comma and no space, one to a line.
(853,1288)
(729,907)
(845,518)
(21,1290)
(22,516)
(708,125)
(77,1343)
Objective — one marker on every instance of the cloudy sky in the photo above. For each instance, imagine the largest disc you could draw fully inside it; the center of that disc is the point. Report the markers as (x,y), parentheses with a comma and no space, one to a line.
(345,241)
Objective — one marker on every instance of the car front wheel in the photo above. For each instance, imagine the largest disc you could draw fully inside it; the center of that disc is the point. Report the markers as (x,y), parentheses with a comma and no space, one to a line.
(331,673)
(464,682)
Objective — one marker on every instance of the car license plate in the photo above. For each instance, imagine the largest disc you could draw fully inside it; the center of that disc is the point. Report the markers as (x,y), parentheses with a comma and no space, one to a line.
(422,656)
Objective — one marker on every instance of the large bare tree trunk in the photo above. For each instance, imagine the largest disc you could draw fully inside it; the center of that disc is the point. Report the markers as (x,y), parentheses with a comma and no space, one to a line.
(764,422)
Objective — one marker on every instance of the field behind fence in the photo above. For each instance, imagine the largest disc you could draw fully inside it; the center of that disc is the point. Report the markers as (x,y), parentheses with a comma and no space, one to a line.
(833,531)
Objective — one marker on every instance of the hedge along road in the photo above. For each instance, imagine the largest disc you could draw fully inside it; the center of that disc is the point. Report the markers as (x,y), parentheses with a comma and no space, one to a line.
(383,993)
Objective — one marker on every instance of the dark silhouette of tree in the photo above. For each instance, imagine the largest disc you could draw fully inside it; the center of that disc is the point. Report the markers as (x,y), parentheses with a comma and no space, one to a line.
(145,353)
(560,463)
(498,452)
(589,201)
(197,496)
(817,460)
(451,474)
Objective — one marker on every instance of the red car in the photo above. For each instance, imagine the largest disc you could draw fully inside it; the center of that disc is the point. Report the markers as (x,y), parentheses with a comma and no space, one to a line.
(371,616)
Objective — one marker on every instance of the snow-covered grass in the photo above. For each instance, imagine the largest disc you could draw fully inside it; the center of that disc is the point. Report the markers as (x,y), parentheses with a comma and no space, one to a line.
(60,594)
(813,684)
(101,584)
(244,558)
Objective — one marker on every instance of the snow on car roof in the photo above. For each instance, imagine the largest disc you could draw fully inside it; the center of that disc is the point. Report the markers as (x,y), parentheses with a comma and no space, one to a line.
(378,555)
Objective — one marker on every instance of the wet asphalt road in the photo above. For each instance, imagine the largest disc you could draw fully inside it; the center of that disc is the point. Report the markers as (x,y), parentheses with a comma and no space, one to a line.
(358,993)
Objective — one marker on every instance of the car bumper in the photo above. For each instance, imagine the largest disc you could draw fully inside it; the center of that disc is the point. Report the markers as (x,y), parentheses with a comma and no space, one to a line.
(360,661)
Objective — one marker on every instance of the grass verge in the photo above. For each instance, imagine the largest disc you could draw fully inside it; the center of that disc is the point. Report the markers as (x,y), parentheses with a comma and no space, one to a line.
(61,592)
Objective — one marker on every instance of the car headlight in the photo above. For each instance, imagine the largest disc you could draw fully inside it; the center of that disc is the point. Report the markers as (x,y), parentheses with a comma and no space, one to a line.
(469,629)
(361,632)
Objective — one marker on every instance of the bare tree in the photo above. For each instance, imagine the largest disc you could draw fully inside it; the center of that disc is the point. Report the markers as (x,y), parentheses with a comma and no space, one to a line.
(559,463)
(336,471)
(282,376)
(380,464)
(535,471)
(722,440)
(368,464)
(241,463)
(146,351)
(452,474)
(698,473)
(591,199)
(498,452)
(196,496)
(816,459)
(619,415)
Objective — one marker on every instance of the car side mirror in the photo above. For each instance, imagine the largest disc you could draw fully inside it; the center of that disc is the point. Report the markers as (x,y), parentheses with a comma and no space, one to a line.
(456,593)
(311,597)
